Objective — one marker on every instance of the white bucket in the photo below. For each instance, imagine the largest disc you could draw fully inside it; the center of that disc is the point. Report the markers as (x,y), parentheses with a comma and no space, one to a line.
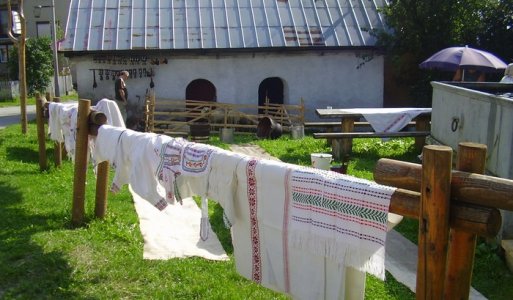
(298,132)
(227,135)
(321,160)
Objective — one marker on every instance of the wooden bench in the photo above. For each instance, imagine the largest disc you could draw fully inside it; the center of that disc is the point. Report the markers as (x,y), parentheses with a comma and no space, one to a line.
(331,125)
(339,135)
(338,138)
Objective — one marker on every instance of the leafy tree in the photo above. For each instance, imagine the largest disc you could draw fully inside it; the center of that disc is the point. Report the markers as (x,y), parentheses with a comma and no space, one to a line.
(38,56)
(497,29)
(419,28)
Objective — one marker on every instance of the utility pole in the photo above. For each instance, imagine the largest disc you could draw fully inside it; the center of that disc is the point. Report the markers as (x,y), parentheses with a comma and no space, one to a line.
(20,42)
(55,57)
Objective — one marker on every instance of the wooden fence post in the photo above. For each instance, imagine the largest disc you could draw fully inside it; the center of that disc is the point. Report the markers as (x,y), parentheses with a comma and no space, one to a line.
(346,145)
(43,164)
(462,244)
(79,179)
(58,146)
(102,178)
(421,124)
(434,221)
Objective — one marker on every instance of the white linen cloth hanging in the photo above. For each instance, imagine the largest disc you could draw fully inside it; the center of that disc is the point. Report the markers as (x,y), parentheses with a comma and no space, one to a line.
(173,232)
(267,252)
(62,125)
(132,154)
(260,237)
(111,111)
(340,216)
(222,181)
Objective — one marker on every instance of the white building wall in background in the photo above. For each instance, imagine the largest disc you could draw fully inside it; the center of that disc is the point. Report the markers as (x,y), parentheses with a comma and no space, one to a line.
(331,79)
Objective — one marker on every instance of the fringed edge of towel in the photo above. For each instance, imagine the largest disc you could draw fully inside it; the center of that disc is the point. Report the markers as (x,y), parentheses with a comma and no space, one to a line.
(372,262)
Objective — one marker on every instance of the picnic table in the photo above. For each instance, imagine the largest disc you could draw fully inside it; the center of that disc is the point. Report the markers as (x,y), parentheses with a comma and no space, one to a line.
(386,122)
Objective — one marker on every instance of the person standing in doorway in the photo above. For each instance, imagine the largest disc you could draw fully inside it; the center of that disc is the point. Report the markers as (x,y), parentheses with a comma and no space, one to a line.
(121,92)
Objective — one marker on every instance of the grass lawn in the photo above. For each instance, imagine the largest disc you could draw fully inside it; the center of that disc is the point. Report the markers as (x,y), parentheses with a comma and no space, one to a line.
(32,100)
(43,257)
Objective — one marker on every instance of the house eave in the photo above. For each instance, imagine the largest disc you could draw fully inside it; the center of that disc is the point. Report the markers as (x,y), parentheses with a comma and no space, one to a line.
(218,51)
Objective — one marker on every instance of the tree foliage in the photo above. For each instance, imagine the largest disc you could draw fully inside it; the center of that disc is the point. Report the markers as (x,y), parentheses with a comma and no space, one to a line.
(419,28)
(38,61)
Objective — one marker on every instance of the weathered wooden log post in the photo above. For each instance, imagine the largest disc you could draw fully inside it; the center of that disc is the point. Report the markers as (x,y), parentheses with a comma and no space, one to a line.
(58,146)
(434,221)
(81,149)
(462,243)
(96,119)
(88,123)
(102,177)
(41,139)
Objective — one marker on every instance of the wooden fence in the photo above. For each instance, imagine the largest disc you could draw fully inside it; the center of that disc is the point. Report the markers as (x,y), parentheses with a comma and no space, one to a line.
(176,116)
(453,207)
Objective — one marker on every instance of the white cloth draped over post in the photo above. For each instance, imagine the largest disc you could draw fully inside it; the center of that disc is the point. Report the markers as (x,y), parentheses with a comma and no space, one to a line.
(111,111)
(62,121)
(294,229)
(271,248)
(134,157)
(62,125)
(158,168)
(341,217)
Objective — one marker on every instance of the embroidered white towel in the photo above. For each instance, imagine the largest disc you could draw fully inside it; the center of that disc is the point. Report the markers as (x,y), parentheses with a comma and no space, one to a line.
(341,217)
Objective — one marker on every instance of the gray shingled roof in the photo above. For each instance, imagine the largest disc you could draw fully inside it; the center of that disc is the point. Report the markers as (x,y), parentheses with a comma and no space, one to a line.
(96,25)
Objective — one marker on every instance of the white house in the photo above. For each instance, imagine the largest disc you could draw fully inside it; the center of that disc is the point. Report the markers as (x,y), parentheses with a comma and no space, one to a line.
(232,51)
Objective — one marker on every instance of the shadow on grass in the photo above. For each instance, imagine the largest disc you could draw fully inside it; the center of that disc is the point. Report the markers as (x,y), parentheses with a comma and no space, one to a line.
(25,155)
(27,271)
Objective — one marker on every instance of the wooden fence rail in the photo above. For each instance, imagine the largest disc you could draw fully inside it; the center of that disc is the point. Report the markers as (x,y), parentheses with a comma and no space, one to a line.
(164,115)
(455,207)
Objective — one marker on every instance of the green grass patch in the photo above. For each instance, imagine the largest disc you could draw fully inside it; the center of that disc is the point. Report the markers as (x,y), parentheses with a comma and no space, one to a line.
(43,257)
(32,100)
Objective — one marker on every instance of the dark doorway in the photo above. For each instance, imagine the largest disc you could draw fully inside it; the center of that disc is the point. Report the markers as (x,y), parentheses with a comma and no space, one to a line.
(272,89)
(199,90)
(202,90)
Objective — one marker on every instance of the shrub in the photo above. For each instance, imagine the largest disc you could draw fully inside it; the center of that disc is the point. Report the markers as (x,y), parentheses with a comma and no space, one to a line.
(38,62)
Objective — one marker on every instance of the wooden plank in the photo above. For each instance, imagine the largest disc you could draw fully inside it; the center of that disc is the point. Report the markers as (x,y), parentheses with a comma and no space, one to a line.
(356,124)
(467,187)
(351,135)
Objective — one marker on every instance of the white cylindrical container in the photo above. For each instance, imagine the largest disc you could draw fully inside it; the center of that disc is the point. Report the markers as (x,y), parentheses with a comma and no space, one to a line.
(298,132)
(227,135)
(321,160)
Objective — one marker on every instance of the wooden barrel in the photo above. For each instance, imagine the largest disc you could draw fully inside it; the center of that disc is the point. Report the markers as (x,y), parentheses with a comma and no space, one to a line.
(200,131)
(268,128)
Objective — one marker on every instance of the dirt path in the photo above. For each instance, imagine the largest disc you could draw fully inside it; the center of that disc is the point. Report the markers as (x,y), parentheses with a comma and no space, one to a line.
(252,150)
